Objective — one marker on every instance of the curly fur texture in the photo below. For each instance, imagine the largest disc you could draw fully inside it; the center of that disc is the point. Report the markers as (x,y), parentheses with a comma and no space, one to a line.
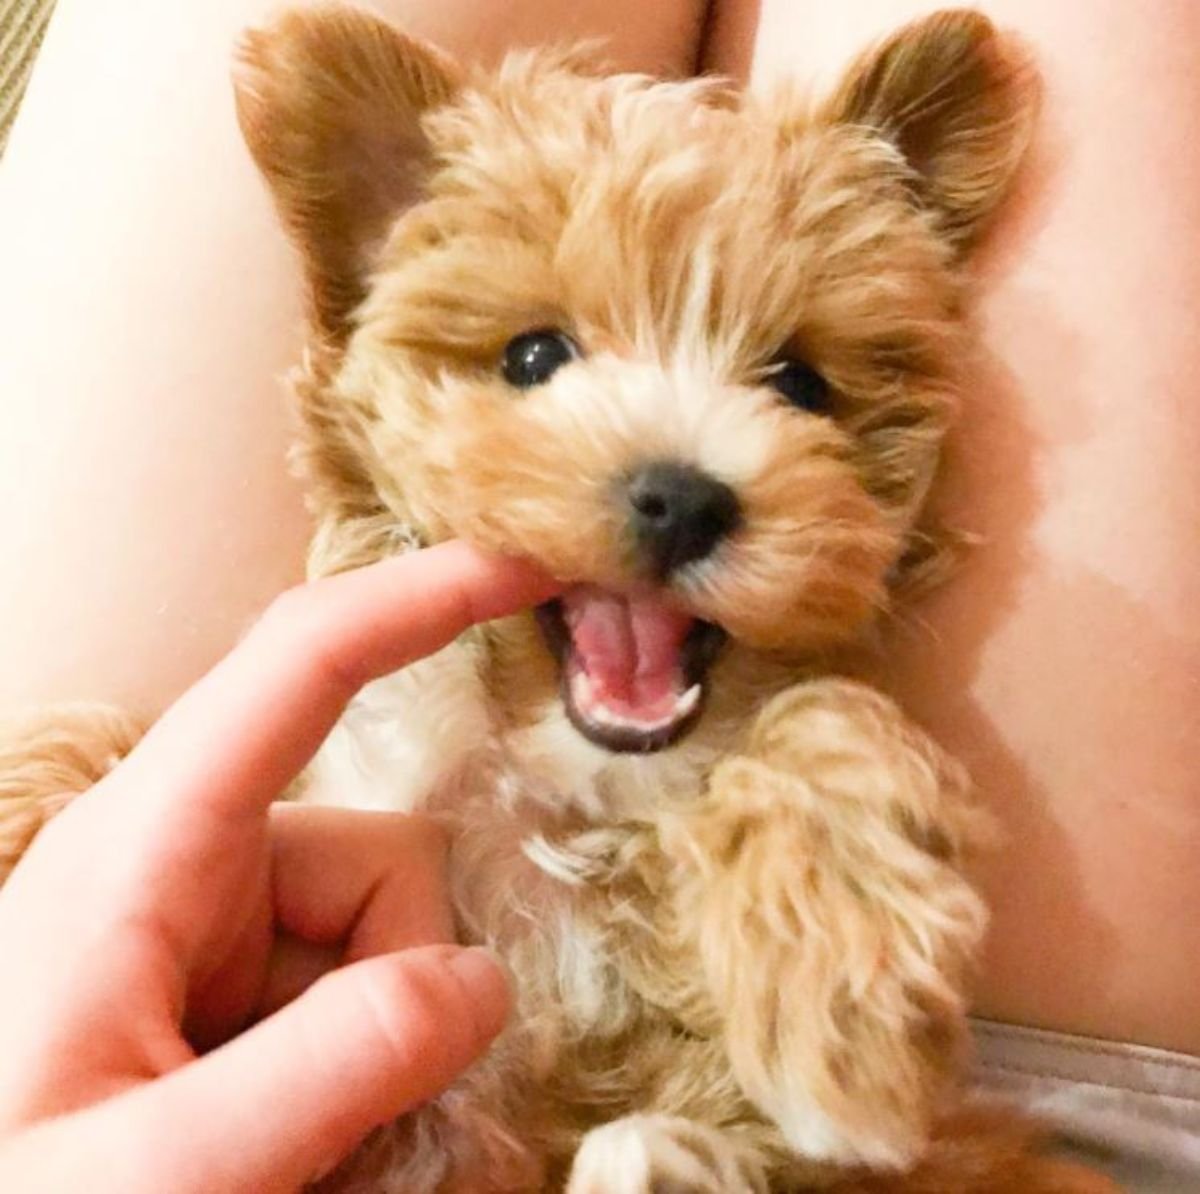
(48,757)
(740,962)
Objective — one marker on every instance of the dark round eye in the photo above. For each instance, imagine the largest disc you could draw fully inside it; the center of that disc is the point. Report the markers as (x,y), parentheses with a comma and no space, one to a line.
(530,359)
(801,385)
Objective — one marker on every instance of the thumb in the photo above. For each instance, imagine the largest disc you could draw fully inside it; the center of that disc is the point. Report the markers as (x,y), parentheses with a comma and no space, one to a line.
(288,1099)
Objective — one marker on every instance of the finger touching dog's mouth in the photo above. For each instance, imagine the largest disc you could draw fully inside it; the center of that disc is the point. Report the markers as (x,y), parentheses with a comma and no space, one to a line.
(634,665)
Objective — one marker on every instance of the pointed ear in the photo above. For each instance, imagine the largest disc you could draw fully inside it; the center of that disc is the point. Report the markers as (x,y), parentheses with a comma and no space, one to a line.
(957,102)
(330,101)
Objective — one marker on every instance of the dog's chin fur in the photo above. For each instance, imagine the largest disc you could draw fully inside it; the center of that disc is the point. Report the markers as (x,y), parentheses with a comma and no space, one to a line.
(740,960)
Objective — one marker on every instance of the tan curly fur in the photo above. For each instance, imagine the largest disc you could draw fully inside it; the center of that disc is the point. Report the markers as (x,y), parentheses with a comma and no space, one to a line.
(49,756)
(741,962)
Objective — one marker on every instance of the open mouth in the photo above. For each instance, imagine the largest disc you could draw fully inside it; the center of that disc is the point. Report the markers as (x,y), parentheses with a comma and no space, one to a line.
(633,665)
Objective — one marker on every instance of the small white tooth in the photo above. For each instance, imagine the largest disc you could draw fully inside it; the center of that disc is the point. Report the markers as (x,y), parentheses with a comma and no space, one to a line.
(688,701)
(589,704)
(606,716)
(582,690)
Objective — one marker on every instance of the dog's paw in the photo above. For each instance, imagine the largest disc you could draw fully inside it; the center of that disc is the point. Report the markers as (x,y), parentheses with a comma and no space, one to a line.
(47,757)
(663,1154)
(821,881)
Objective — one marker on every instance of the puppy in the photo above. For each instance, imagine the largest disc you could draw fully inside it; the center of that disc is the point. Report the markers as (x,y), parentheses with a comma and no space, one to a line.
(694,352)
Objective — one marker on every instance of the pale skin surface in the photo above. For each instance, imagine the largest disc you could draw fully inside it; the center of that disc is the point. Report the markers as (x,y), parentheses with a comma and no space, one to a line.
(149,304)
(1064,664)
(253,986)
(150,307)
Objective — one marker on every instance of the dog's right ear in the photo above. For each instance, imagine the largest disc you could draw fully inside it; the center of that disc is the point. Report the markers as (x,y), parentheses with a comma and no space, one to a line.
(330,101)
(957,102)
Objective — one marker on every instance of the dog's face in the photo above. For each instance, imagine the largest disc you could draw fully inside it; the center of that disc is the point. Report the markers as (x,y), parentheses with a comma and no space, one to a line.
(691,351)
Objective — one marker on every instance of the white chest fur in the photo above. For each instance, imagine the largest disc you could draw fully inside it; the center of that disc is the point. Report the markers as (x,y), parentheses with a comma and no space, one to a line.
(404,736)
(424,740)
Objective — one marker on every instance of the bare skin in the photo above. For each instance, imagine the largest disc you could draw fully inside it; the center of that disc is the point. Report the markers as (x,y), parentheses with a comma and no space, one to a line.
(271,1077)
(149,305)
(1064,663)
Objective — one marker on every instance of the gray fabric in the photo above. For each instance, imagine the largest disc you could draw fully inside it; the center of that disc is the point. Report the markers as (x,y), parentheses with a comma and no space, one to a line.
(1130,1111)
(22,25)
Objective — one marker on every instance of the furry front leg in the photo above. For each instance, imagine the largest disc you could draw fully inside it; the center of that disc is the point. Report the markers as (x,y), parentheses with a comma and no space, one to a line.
(819,882)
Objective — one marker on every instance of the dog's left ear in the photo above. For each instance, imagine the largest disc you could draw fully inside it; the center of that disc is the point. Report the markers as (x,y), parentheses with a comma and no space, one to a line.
(330,100)
(957,102)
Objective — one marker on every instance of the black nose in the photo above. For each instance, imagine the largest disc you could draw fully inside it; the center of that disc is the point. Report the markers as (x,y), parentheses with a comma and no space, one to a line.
(678,514)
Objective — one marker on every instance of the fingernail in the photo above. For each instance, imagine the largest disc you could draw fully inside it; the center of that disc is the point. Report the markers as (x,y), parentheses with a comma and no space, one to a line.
(486,984)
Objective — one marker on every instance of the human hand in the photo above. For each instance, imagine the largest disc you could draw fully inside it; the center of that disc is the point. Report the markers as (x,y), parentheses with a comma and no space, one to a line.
(172,905)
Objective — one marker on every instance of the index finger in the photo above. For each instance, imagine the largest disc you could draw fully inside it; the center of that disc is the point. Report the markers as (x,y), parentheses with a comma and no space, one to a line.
(237,738)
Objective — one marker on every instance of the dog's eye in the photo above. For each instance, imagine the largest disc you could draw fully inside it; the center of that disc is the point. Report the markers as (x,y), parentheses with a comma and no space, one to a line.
(531,358)
(801,385)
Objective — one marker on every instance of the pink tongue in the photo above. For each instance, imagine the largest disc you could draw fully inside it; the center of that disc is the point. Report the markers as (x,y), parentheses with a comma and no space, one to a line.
(628,645)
